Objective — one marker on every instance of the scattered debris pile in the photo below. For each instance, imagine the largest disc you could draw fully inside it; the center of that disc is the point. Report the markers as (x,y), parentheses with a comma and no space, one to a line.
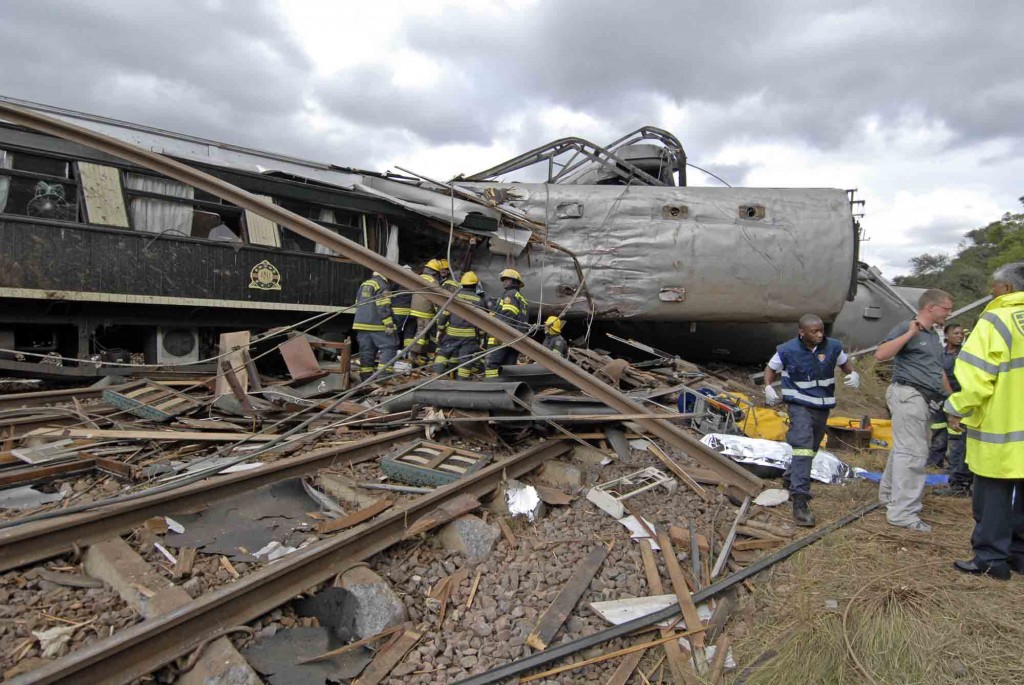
(432,530)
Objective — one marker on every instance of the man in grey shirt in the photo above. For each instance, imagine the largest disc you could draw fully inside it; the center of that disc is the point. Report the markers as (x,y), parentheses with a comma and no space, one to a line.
(917,380)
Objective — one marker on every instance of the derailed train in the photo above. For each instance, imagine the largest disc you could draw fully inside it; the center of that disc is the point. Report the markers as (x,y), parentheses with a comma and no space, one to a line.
(98,254)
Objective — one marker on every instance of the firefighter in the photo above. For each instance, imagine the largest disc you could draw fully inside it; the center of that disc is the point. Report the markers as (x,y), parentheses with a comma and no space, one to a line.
(460,342)
(807,364)
(374,324)
(447,282)
(423,310)
(401,307)
(990,370)
(553,339)
(512,309)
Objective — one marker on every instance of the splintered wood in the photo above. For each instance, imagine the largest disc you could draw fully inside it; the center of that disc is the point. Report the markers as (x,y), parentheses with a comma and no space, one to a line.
(570,594)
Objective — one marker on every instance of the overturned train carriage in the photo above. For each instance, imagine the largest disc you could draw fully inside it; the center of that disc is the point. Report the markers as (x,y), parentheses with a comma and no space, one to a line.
(100,258)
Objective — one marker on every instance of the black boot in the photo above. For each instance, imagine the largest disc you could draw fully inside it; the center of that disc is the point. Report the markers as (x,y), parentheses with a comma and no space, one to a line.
(801,514)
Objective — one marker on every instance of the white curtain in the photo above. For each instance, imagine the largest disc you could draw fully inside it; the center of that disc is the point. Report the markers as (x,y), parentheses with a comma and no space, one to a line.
(328,216)
(392,251)
(158,216)
(5,181)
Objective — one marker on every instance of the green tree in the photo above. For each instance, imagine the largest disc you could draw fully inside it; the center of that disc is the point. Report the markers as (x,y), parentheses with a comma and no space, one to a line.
(965,275)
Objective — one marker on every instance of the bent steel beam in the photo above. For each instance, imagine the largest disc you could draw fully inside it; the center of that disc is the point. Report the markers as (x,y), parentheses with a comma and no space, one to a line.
(730,472)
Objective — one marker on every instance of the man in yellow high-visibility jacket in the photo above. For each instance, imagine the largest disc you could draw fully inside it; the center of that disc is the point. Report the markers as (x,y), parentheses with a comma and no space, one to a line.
(990,406)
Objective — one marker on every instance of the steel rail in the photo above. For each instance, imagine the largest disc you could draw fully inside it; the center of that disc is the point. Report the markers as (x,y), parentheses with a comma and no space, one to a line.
(141,649)
(667,614)
(38,540)
(730,473)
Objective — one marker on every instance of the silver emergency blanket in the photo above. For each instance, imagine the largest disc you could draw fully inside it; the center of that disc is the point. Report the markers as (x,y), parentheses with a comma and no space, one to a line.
(826,467)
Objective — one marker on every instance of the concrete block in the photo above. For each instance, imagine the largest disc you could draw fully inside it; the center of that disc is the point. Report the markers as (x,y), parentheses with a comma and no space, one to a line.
(377,605)
(561,475)
(138,583)
(470,537)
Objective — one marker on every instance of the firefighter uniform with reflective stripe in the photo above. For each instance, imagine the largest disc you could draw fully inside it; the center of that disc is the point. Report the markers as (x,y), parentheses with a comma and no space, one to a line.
(990,370)
(401,307)
(422,311)
(808,389)
(557,344)
(512,309)
(375,326)
(461,339)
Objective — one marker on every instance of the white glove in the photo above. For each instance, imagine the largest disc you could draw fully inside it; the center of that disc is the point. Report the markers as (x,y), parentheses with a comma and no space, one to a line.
(852,380)
(771,398)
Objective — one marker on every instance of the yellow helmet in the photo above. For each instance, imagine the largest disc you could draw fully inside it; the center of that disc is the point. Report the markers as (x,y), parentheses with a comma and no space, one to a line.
(444,265)
(469,278)
(434,265)
(553,324)
(511,273)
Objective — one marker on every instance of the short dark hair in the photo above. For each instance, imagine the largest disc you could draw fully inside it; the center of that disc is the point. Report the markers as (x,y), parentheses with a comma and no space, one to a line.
(933,296)
(810,320)
(951,327)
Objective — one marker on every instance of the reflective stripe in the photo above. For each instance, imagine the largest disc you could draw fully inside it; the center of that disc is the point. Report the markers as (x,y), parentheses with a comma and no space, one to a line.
(953,411)
(937,426)
(995,438)
(367,327)
(816,401)
(1000,327)
(804,453)
(461,332)
(978,362)
(953,433)
(805,385)
(491,373)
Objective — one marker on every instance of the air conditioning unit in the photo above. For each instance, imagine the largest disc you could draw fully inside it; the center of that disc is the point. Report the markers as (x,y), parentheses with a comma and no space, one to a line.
(174,346)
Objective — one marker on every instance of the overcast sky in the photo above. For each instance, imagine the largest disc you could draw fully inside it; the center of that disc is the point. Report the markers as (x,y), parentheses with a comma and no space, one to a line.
(919,105)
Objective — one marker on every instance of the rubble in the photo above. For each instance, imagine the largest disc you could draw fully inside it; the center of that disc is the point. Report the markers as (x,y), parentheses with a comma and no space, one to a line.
(465,587)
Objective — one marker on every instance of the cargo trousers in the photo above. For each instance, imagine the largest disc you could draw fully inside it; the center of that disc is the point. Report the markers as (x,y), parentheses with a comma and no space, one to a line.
(902,486)
(806,430)
(376,350)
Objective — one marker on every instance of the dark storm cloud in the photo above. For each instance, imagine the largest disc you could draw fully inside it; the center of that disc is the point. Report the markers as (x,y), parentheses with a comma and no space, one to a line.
(226,71)
(814,71)
(739,71)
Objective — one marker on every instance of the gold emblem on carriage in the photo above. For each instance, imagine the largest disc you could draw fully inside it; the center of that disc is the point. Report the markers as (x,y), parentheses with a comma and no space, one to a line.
(265,276)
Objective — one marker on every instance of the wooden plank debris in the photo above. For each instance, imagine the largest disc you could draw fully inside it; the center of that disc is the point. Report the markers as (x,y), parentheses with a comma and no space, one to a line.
(678,665)
(625,669)
(231,345)
(387,659)
(453,508)
(186,559)
(729,540)
(570,594)
(506,530)
(690,616)
(111,434)
(356,517)
(663,640)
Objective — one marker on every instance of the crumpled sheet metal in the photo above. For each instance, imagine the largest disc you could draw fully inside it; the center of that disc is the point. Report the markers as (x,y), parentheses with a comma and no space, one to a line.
(826,467)
(799,258)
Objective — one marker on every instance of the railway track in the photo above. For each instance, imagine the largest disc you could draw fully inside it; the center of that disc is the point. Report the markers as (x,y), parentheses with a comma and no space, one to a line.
(143,648)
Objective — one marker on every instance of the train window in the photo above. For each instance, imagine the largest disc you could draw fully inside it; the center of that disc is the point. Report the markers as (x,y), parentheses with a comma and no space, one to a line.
(36,186)
(151,213)
(39,199)
(40,165)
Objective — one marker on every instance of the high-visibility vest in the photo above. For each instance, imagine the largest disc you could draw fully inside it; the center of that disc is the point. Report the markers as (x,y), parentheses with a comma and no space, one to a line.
(453,324)
(990,369)
(809,376)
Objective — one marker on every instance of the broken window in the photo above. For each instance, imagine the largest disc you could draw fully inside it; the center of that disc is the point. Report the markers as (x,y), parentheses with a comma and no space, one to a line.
(36,186)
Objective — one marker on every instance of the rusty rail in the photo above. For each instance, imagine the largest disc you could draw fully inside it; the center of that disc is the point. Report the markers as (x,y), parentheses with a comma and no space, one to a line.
(728,471)
(38,540)
(141,649)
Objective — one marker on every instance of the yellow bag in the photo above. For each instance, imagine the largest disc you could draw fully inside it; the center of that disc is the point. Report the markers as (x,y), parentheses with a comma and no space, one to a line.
(765,423)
